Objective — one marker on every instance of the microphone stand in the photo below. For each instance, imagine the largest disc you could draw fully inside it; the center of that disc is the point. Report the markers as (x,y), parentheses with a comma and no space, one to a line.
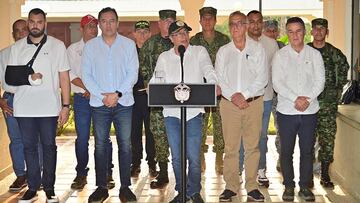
(181,50)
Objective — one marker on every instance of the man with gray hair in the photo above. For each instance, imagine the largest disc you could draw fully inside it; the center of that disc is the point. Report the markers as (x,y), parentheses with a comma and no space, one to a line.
(271,29)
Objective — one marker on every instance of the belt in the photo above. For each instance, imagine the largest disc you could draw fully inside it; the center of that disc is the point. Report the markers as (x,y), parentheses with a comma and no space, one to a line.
(252,99)
(249,99)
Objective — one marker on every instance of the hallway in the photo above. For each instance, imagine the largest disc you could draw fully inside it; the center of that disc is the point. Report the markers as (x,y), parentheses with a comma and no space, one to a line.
(212,184)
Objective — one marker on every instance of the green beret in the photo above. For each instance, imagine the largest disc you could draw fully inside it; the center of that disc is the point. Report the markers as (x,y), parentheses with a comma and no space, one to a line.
(163,14)
(207,10)
(142,24)
(319,21)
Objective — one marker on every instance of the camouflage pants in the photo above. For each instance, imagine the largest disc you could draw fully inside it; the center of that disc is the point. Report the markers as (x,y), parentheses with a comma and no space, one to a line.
(326,131)
(157,126)
(218,139)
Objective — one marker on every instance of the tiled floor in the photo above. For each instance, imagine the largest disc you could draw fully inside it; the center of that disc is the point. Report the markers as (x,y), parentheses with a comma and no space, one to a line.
(212,184)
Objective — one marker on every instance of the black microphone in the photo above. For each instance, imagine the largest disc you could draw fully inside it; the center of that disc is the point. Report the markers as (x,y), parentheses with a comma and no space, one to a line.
(181,50)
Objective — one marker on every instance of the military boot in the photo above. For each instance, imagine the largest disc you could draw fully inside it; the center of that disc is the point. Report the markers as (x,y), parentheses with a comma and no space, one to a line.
(219,163)
(325,178)
(203,163)
(162,179)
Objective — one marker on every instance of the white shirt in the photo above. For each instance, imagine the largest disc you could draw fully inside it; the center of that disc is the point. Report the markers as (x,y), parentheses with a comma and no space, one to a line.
(74,53)
(242,71)
(298,74)
(42,100)
(4,58)
(271,48)
(197,65)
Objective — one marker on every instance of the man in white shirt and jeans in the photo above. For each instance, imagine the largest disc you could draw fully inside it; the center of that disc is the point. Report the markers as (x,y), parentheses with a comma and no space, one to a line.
(255,27)
(242,73)
(197,65)
(298,78)
(40,107)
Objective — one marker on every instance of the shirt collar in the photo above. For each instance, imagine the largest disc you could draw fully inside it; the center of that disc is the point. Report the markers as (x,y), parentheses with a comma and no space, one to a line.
(43,40)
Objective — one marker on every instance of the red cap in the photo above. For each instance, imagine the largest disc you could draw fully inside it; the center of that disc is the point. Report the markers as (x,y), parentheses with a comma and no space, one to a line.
(88,19)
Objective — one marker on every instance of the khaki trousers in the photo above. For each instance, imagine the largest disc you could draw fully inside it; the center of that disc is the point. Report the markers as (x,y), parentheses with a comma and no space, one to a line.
(242,124)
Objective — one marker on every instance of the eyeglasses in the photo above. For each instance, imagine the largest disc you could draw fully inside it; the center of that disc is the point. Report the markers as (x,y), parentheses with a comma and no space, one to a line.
(183,34)
(238,24)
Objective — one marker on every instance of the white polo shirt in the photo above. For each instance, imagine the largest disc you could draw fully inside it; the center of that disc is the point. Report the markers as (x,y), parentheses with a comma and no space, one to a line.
(74,53)
(197,65)
(242,71)
(298,74)
(4,58)
(43,100)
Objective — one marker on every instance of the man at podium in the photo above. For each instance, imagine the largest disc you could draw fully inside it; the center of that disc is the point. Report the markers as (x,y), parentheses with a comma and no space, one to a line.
(197,65)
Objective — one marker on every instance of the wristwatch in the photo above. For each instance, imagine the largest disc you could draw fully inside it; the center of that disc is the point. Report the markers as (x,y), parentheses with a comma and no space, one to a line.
(66,106)
(118,93)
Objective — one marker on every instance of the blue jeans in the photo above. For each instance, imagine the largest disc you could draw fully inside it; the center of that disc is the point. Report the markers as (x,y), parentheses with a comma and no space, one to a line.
(82,115)
(103,117)
(32,128)
(303,126)
(193,141)
(16,145)
(263,138)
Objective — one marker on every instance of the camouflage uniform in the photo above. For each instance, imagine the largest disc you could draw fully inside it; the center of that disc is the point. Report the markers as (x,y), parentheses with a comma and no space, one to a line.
(219,40)
(148,56)
(336,67)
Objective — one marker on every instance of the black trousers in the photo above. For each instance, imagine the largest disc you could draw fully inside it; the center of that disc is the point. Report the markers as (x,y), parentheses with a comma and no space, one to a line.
(141,115)
(303,126)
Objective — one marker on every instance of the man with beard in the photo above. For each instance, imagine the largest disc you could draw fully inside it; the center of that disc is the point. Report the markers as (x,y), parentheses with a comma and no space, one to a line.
(336,67)
(39,107)
(148,56)
(16,146)
(255,27)
(82,109)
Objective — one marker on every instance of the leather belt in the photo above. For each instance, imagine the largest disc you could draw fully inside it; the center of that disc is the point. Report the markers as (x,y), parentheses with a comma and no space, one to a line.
(9,93)
(252,99)
(249,99)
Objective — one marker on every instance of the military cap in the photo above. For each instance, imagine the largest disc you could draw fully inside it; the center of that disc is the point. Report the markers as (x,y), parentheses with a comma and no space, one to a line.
(177,26)
(142,24)
(319,21)
(270,23)
(163,14)
(207,10)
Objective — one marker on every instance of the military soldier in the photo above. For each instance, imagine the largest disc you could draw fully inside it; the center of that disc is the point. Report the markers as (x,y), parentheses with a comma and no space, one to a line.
(336,67)
(212,40)
(148,56)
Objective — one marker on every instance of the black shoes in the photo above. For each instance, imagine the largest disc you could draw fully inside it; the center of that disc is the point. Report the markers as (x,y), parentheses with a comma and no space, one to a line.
(325,177)
(79,183)
(227,195)
(288,195)
(51,197)
(99,195)
(152,172)
(255,195)
(126,195)
(178,199)
(306,194)
(28,197)
(18,184)
(196,198)
(135,171)
(110,182)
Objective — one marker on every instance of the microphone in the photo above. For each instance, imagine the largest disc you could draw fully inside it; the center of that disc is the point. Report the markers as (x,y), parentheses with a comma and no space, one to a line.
(181,50)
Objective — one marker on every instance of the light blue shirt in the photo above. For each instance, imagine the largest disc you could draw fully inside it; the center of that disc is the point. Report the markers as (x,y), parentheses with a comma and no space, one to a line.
(106,69)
